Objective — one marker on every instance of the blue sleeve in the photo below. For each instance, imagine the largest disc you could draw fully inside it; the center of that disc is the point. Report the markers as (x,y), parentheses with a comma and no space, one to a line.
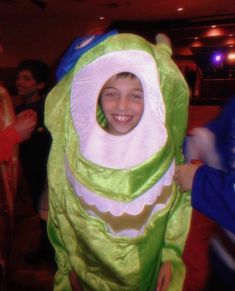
(213,194)
(224,129)
(220,124)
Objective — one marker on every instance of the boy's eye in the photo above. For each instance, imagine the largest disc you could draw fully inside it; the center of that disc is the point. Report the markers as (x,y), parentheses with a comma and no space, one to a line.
(137,96)
(110,94)
(27,78)
(24,78)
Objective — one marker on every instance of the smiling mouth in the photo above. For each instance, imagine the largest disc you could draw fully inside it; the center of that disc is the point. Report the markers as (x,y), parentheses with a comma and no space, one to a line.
(121,118)
(20,88)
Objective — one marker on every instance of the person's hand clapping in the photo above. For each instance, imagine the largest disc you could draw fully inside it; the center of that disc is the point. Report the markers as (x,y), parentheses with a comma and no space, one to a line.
(25,123)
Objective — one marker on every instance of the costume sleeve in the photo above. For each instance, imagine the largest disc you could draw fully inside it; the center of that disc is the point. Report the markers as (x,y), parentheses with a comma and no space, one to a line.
(176,97)
(8,138)
(175,237)
(213,194)
(54,227)
(175,91)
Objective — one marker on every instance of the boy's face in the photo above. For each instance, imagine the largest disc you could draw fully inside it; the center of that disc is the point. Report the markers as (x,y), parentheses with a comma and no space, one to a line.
(26,84)
(122,102)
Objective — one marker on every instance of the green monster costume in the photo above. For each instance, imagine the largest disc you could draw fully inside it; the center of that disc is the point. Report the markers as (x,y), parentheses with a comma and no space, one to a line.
(115,213)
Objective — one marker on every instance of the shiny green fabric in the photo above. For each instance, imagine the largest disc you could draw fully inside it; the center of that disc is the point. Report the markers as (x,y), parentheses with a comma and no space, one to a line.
(125,185)
(103,261)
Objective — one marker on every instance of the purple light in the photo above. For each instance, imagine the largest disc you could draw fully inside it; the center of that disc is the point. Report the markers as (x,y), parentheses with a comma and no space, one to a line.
(217,58)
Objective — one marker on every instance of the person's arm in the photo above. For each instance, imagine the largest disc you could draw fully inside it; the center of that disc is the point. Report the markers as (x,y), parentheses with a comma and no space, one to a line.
(58,228)
(184,175)
(25,124)
(8,138)
(15,133)
(172,271)
(213,192)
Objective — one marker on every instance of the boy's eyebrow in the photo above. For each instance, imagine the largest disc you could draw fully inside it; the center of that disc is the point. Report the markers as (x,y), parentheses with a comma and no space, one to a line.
(138,89)
(111,87)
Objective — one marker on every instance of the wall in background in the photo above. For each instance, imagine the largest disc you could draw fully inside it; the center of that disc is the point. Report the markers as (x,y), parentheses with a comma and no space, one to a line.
(39,37)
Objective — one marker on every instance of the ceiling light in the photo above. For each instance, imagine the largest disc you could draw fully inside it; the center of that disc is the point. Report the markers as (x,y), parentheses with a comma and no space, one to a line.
(231,56)
(196,43)
(180,9)
(213,26)
(229,41)
(101,18)
(216,31)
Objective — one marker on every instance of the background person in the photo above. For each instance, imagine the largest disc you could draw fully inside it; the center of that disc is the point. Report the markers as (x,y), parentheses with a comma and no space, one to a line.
(13,130)
(212,187)
(32,83)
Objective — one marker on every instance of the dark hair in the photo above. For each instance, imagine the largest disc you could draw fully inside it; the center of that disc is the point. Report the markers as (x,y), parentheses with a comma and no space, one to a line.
(126,75)
(39,70)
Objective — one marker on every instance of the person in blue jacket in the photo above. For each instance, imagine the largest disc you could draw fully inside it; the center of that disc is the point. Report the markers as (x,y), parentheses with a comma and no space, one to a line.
(213,183)
(213,191)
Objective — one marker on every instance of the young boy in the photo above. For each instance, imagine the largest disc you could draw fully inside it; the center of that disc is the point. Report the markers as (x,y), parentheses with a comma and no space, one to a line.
(122,102)
(115,219)
(32,82)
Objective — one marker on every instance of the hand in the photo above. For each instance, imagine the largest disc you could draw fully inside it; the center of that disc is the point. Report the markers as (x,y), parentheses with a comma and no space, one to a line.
(25,123)
(164,277)
(184,175)
(74,281)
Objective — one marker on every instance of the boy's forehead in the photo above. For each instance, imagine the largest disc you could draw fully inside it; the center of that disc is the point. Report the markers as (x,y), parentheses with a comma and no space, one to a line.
(122,76)
(122,80)
(25,72)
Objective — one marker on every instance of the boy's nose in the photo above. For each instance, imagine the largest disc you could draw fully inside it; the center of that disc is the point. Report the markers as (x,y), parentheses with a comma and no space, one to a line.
(18,81)
(123,102)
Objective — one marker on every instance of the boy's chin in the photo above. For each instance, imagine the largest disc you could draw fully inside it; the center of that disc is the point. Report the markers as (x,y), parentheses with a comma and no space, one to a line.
(119,131)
